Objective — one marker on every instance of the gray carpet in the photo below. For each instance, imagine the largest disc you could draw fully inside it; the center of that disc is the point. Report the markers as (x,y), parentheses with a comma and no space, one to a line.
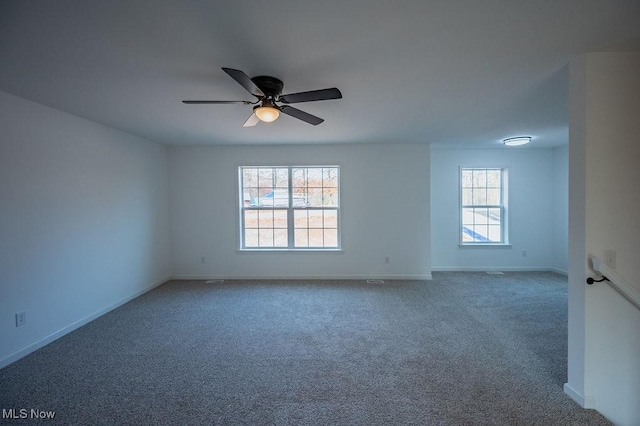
(462,349)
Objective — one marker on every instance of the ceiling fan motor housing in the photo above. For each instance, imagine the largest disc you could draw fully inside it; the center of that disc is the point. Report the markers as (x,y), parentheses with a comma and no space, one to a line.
(271,86)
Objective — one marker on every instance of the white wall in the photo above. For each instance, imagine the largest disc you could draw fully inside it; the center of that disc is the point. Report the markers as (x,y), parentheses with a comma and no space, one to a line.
(560,230)
(83,221)
(604,337)
(532,194)
(384,212)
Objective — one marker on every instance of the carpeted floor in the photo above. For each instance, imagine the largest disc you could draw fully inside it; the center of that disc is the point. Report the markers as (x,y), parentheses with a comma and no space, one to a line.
(461,349)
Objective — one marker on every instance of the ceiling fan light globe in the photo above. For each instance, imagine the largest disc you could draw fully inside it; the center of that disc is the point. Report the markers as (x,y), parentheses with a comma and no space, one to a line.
(267,114)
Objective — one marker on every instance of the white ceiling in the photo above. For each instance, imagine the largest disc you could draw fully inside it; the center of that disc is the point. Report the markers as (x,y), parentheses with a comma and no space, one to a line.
(450,72)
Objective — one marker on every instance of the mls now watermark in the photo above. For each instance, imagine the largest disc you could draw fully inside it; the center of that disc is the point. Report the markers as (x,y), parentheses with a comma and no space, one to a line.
(23,413)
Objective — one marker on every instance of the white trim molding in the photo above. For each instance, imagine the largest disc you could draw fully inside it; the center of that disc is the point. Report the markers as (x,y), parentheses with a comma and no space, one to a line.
(73,326)
(494,268)
(426,277)
(583,401)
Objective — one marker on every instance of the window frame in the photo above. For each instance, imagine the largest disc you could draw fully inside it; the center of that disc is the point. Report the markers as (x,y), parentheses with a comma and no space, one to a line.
(290,209)
(503,206)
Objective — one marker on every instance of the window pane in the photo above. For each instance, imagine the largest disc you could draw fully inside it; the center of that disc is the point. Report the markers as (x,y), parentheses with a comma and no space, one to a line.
(467,181)
(330,197)
(265,218)
(300,219)
(315,219)
(281,177)
(479,178)
(469,232)
(493,196)
(467,196)
(299,177)
(264,197)
(331,219)
(330,177)
(249,177)
(300,199)
(249,196)
(466,236)
(278,197)
(280,219)
(330,238)
(494,233)
(494,217)
(280,238)
(314,177)
(267,202)
(481,216)
(301,238)
(265,237)
(479,196)
(480,233)
(481,188)
(314,197)
(265,178)
(467,216)
(251,238)
(493,178)
(250,218)
(316,228)
(481,225)
(316,238)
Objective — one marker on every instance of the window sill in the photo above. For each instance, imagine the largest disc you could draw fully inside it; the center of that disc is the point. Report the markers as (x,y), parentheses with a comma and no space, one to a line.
(332,251)
(484,245)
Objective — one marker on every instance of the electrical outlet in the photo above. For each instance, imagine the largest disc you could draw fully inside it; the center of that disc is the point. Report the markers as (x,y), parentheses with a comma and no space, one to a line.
(387,260)
(524,253)
(203,260)
(609,258)
(21,319)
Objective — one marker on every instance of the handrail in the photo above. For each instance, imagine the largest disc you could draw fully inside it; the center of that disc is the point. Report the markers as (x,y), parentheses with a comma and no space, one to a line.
(616,281)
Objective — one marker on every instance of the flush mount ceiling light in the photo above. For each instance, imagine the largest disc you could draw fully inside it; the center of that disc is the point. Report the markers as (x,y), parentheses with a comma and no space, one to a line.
(517,141)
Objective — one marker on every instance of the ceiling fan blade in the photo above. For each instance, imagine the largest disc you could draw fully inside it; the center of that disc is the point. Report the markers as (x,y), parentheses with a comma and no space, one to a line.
(313,95)
(301,115)
(251,121)
(244,81)
(216,102)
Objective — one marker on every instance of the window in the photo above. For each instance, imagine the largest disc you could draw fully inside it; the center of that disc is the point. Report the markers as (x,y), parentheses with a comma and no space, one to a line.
(290,207)
(482,200)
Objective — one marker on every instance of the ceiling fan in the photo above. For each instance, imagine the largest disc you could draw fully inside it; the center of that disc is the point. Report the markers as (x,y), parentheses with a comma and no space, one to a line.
(268,91)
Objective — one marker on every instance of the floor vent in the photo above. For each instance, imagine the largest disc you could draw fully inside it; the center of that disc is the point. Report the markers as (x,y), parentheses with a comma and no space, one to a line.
(495,272)
(214,281)
(375,281)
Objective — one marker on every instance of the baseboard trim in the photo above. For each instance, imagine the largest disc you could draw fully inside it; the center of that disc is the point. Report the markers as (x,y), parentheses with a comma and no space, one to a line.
(493,268)
(73,326)
(304,277)
(583,401)
(560,271)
